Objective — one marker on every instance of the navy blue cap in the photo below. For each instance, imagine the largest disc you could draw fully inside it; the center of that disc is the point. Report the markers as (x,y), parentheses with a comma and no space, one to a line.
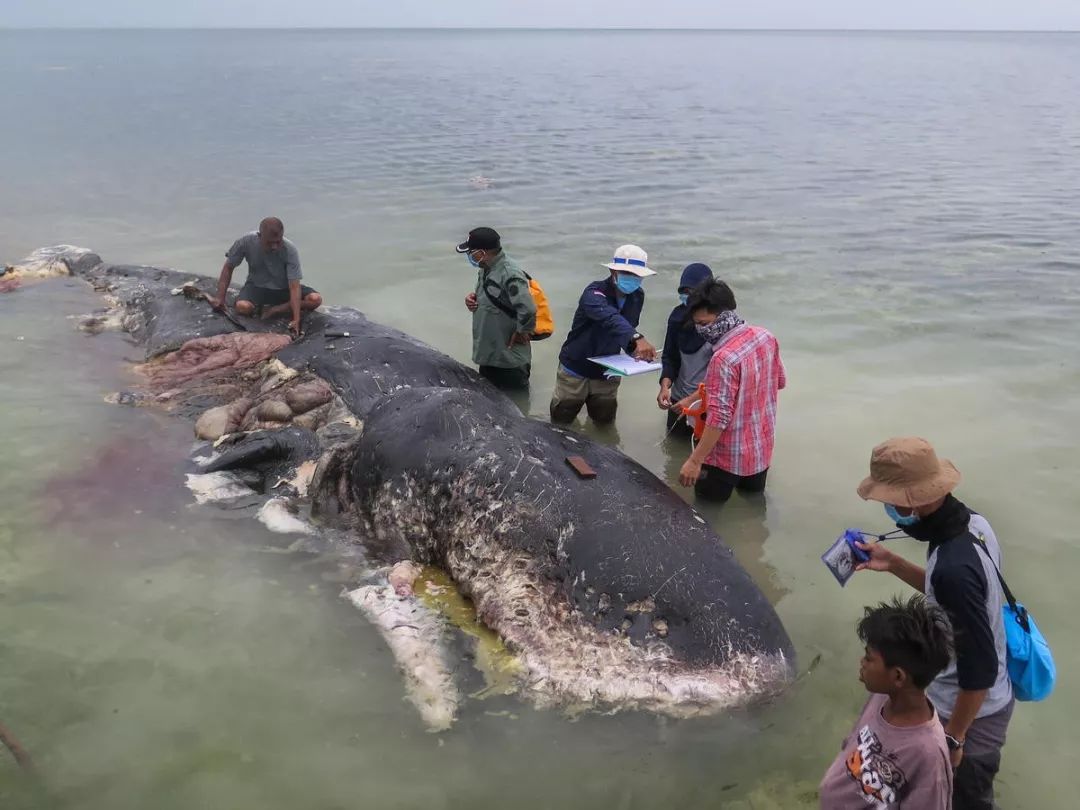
(694,275)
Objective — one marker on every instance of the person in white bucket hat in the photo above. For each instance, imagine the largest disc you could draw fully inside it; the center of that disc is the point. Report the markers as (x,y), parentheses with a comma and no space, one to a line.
(606,322)
(632,260)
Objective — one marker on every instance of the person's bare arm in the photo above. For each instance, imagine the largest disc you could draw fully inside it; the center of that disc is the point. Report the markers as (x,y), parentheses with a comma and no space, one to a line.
(968,703)
(218,301)
(722,382)
(663,399)
(294,305)
(691,470)
(882,559)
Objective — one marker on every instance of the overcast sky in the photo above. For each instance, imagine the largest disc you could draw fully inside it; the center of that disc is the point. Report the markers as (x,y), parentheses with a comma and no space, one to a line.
(946,14)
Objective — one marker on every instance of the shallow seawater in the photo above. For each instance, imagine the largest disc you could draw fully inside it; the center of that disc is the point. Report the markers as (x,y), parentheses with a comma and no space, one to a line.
(898,209)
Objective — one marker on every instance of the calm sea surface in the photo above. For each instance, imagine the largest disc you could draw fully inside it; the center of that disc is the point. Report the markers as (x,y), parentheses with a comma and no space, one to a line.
(900,209)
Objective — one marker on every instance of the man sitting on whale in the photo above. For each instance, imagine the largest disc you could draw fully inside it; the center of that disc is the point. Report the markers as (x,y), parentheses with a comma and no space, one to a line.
(273,282)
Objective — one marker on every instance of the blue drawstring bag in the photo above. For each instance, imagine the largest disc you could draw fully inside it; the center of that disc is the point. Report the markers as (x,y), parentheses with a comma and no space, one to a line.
(1029,660)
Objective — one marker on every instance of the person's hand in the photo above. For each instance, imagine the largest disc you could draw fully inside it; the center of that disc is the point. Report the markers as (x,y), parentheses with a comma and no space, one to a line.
(519,337)
(643,350)
(880,557)
(663,399)
(470,302)
(955,757)
(690,472)
(216,304)
(294,326)
(682,404)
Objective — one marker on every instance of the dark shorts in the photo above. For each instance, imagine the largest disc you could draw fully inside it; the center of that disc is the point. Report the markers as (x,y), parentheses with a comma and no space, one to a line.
(264,297)
(717,485)
(509,378)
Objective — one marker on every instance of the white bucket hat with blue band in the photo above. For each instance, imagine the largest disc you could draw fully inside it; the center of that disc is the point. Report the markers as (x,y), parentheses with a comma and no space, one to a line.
(631,259)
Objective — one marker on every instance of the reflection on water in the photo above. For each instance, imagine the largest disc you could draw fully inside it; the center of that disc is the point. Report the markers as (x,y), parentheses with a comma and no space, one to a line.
(897,209)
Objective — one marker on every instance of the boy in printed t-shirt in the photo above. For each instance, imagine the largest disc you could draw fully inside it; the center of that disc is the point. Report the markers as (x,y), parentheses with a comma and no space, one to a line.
(895,758)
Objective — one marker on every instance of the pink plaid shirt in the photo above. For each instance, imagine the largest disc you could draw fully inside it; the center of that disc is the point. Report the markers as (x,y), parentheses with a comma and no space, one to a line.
(741,387)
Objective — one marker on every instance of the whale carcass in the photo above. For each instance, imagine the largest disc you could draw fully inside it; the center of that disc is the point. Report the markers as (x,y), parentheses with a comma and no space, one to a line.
(611,592)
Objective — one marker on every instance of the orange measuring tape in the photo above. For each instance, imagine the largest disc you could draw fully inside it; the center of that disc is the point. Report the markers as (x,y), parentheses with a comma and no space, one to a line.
(696,410)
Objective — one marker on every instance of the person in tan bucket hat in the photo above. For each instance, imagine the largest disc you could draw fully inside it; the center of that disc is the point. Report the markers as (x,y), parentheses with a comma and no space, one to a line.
(973,695)
(908,473)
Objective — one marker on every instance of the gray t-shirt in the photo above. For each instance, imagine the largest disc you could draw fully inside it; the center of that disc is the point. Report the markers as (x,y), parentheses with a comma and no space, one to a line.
(889,767)
(269,269)
(692,371)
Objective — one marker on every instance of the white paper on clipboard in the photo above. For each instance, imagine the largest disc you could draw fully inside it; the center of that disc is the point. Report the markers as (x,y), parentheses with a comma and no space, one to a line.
(623,365)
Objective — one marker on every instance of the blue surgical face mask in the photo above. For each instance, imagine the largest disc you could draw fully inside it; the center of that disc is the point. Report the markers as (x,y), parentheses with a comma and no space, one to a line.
(898,519)
(472,261)
(627,283)
(683,298)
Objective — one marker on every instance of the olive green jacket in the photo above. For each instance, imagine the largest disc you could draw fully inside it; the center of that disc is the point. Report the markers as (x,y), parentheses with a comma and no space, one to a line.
(492,325)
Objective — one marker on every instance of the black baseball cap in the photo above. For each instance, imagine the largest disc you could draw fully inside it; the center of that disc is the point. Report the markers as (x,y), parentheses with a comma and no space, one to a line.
(481,239)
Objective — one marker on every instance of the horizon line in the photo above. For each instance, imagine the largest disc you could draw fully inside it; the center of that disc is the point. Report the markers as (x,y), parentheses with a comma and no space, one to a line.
(540,28)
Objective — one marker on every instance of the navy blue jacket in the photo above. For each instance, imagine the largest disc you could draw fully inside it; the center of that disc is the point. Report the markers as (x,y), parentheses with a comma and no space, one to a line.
(681,338)
(600,328)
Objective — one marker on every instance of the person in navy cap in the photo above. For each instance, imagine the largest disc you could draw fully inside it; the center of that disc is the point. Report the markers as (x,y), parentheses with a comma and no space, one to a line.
(686,353)
(503,311)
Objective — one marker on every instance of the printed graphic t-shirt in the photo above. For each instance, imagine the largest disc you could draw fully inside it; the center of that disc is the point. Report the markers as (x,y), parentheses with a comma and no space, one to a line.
(884,766)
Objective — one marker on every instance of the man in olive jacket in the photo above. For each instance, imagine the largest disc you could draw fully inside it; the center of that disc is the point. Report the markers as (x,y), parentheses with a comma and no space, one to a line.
(503,311)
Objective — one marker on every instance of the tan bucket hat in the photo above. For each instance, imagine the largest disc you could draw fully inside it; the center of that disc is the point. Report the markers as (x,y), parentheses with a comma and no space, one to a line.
(907,472)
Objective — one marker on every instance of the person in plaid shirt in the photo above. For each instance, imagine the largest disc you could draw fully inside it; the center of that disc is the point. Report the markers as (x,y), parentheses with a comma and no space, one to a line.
(741,385)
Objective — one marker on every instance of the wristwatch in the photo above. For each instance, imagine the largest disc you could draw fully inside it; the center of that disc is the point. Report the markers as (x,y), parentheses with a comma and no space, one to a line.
(953,743)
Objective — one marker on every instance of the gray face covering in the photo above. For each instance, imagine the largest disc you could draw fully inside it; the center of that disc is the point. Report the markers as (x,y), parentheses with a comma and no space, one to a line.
(724,323)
